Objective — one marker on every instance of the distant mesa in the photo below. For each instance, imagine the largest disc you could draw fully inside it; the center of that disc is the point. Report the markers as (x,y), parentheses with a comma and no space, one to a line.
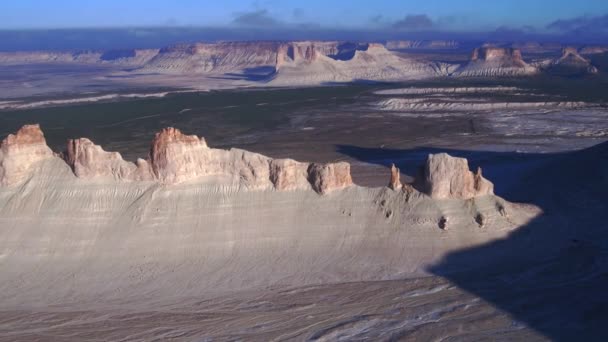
(304,63)
(178,158)
(212,58)
(496,62)
(571,60)
(509,57)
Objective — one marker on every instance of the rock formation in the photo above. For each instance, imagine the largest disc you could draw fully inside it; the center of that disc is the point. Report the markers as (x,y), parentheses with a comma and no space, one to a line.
(176,158)
(19,152)
(213,58)
(328,177)
(395,182)
(288,174)
(571,60)
(447,177)
(494,62)
(306,63)
(88,160)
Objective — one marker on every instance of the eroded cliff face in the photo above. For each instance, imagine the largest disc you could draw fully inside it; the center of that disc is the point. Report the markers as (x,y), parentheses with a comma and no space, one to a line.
(174,158)
(177,158)
(447,177)
(20,152)
(88,160)
(325,178)
(505,55)
(213,58)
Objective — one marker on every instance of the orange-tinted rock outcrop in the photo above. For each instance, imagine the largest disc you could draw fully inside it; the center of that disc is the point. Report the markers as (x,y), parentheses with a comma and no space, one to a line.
(176,158)
(19,153)
(328,177)
(495,62)
(447,177)
(395,182)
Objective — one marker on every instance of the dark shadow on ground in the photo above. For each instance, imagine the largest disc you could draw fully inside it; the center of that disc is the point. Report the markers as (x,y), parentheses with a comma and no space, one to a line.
(257,74)
(552,274)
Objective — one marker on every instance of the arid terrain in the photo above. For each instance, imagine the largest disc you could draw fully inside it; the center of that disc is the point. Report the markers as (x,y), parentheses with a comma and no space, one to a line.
(322,191)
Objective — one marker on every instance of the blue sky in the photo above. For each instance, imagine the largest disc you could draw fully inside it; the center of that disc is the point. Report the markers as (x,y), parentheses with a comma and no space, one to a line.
(361,14)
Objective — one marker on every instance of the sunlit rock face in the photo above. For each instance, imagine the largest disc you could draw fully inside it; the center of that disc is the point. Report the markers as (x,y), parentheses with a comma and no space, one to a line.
(395,181)
(507,55)
(288,174)
(495,62)
(325,178)
(174,158)
(19,152)
(447,177)
(88,160)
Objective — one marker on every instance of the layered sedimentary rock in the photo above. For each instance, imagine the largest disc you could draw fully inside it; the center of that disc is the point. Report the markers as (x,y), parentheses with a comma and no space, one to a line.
(213,58)
(306,63)
(447,177)
(20,152)
(494,61)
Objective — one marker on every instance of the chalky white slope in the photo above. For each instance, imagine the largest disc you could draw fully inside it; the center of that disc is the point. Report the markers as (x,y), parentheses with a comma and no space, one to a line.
(195,221)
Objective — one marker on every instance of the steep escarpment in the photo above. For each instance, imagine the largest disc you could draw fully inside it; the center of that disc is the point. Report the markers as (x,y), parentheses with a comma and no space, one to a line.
(174,158)
(495,62)
(450,177)
(213,58)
